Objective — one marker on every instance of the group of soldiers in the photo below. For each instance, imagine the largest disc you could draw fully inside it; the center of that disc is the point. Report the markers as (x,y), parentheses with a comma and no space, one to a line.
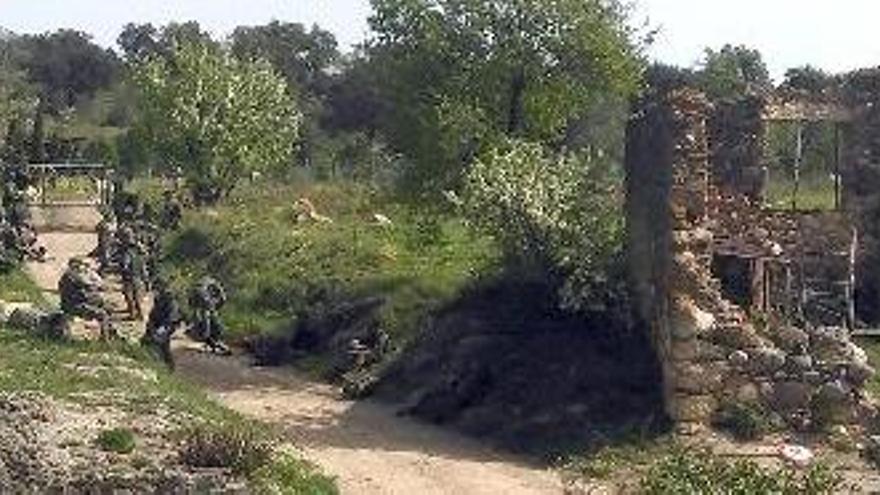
(129,239)
(18,237)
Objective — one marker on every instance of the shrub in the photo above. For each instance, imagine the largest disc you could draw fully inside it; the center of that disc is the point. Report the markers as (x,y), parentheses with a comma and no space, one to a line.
(688,471)
(118,440)
(243,449)
(287,475)
(552,213)
(745,422)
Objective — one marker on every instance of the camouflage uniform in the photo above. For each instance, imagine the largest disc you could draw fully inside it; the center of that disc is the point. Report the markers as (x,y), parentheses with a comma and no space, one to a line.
(80,290)
(171,213)
(131,271)
(162,323)
(106,230)
(205,299)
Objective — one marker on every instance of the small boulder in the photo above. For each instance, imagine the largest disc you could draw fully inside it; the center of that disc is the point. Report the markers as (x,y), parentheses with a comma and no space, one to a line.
(858,374)
(767,361)
(738,359)
(790,338)
(791,396)
(798,365)
(832,403)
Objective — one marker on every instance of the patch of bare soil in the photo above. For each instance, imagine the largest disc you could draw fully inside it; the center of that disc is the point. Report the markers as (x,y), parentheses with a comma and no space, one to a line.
(50,446)
(364,444)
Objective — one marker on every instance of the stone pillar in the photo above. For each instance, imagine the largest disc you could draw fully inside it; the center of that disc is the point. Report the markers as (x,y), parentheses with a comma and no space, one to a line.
(667,210)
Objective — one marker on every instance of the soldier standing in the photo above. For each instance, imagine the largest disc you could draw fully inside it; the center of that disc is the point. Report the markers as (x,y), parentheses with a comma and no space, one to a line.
(106,230)
(206,298)
(131,271)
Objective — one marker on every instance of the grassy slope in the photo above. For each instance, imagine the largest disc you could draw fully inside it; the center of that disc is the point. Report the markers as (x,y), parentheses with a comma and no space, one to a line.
(274,267)
(121,376)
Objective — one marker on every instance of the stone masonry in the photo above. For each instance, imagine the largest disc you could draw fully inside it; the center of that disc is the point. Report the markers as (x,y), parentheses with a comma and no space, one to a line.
(714,352)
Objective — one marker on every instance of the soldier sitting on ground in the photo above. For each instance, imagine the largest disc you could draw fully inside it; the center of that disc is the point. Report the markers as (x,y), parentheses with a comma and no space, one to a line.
(205,300)
(132,271)
(81,290)
(163,322)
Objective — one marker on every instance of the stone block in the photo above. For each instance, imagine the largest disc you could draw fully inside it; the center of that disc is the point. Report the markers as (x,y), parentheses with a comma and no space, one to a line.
(694,408)
(766,361)
(791,396)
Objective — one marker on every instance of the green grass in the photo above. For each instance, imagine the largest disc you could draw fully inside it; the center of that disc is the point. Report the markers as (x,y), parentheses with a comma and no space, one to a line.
(117,440)
(813,194)
(663,466)
(99,374)
(694,471)
(15,286)
(872,347)
(274,267)
(288,475)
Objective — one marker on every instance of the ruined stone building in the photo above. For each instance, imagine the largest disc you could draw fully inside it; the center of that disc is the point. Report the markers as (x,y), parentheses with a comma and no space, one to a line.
(748,302)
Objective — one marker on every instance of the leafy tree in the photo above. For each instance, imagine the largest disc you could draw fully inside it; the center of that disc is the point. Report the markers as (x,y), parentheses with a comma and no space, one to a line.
(354,101)
(302,56)
(664,77)
(139,41)
(733,71)
(465,73)
(215,117)
(16,99)
(808,79)
(66,65)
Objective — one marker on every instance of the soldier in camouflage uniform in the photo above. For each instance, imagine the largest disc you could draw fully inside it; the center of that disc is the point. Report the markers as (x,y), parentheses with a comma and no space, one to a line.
(205,300)
(103,253)
(81,290)
(131,270)
(163,322)
(171,213)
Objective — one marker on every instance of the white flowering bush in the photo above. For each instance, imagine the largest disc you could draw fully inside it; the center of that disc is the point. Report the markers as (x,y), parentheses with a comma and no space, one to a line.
(560,214)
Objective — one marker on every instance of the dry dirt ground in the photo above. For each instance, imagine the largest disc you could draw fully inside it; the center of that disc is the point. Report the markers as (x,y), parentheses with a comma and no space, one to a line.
(364,444)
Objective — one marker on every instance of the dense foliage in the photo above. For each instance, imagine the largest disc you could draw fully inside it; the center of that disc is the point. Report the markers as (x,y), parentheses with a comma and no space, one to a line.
(463,74)
(214,117)
(557,214)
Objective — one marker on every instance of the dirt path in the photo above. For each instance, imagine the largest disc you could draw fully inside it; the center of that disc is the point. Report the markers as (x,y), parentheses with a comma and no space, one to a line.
(364,444)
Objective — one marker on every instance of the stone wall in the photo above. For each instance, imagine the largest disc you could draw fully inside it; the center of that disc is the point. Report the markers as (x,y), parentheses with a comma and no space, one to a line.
(861,184)
(711,350)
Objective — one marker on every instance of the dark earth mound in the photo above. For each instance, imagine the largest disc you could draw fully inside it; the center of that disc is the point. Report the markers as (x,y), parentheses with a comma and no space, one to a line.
(503,364)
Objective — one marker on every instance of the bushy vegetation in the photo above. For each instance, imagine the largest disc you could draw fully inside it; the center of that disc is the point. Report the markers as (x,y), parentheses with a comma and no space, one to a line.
(243,448)
(288,475)
(249,450)
(689,471)
(745,422)
(117,440)
(556,214)
(276,268)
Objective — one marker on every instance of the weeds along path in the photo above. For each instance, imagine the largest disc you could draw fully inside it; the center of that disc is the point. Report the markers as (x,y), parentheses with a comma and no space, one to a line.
(364,444)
